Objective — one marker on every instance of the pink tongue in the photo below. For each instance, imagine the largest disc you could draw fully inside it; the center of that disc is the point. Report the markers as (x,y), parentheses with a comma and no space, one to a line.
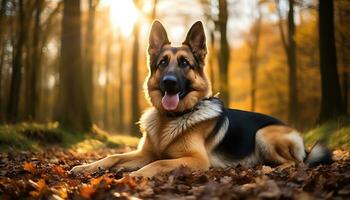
(170,101)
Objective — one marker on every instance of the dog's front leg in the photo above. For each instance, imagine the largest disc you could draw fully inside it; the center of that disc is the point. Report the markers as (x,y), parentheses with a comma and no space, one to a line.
(131,160)
(163,166)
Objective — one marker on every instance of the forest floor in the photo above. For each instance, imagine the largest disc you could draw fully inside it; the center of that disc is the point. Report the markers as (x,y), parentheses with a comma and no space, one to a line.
(35,160)
(44,175)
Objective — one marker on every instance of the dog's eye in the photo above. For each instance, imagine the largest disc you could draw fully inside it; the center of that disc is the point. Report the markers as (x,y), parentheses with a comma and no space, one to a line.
(163,63)
(184,62)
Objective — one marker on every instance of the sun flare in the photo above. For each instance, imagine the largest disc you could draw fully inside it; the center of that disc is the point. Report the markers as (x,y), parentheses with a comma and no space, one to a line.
(123,14)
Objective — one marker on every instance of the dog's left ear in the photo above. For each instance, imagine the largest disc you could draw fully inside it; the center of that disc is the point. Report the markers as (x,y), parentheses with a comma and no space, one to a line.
(195,39)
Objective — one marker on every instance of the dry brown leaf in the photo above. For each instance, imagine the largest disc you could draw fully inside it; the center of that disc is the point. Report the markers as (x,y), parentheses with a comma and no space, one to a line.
(59,170)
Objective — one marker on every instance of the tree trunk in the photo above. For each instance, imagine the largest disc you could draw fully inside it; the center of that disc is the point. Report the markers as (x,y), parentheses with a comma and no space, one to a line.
(108,66)
(154,10)
(33,91)
(290,50)
(121,85)
(253,59)
(135,110)
(2,23)
(343,20)
(293,88)
(2,52)
(224,53)
(17,64)
(211,61)
(2,56)
(72,112)
(89,54)
(331,99)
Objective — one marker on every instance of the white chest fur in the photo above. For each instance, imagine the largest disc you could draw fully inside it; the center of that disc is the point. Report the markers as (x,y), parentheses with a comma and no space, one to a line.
(161,138)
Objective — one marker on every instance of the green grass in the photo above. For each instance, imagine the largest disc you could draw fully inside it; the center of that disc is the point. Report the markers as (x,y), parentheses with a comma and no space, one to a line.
(33,136)
(335,133)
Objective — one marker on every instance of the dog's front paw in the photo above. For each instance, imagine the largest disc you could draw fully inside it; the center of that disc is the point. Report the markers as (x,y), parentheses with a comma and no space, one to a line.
(135,174)
(143,173)
(80,169)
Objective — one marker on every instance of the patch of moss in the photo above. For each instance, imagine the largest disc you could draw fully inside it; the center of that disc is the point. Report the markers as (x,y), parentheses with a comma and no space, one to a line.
(336,134)
(12,139)
(34,136)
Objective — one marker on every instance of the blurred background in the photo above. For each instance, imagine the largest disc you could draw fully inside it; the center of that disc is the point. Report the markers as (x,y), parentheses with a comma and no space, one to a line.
(83,62)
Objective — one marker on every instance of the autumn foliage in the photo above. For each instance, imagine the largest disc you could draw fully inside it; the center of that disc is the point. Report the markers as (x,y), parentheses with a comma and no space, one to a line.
(44,175)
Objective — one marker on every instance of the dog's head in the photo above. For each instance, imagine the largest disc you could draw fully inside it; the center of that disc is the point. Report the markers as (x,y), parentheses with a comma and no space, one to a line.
(176,80)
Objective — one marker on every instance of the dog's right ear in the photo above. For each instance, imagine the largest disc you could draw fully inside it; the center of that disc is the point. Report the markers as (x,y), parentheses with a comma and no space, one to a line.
(157,38)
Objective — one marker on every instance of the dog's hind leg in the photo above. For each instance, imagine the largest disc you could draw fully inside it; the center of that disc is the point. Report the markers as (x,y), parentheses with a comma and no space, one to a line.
(280,145)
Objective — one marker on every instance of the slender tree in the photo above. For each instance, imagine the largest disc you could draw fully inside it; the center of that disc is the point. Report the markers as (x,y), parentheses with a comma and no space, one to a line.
(120,117)
(135,109)
(2,51)
(343,32)
(106,86)
(17,65)
(332,104)
(211,24)
(72,112)
(154,10)
(211,60)
(35,65)
(224,52)
(3,4)
(289,45)
(89,52)
(253,43)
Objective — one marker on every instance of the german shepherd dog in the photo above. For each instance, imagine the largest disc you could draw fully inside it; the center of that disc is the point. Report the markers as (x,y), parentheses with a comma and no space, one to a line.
(187,127)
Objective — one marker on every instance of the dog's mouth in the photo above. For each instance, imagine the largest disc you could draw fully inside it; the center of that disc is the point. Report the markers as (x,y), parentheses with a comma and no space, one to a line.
(170,101)
(173,89)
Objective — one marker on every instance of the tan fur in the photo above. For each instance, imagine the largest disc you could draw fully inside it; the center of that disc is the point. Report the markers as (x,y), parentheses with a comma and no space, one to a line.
(197,77)
(280,144)
(188,150)
(168,143)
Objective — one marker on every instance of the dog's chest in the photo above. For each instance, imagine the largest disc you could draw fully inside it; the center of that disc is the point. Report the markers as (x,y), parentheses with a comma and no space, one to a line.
(163,132)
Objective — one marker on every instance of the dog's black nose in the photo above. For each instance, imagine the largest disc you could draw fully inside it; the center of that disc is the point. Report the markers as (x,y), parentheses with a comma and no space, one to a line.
(170,84)
(169,80)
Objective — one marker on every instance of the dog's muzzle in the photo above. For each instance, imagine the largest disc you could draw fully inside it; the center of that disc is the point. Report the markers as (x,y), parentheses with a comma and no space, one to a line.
(170,84)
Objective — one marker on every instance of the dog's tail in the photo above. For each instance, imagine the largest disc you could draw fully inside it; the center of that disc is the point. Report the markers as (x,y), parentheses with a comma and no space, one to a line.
(318,155)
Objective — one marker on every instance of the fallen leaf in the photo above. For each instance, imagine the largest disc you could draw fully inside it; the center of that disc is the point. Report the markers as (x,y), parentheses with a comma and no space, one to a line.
(87,191)
(273,191)
(29,167)
(59,170)
(40,187)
